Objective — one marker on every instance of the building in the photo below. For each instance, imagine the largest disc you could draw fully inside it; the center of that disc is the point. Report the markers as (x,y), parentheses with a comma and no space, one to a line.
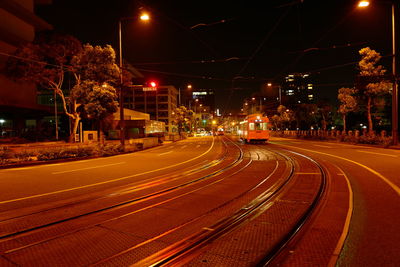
(297,88)
(159,102)
(204,97)
(19,108)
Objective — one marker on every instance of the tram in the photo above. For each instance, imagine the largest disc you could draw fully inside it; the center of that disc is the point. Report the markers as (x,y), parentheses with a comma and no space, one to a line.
(254,129)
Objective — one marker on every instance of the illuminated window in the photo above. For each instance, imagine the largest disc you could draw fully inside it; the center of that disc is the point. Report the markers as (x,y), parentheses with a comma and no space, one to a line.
(309,86)
(264,126)
(251,126)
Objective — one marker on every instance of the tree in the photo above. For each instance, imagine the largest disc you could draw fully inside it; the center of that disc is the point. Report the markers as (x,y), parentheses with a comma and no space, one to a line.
(369,69)
(348,103)
(304,115)
(325,111)
(95,73)
(45,62)
(183,118)
(286,116)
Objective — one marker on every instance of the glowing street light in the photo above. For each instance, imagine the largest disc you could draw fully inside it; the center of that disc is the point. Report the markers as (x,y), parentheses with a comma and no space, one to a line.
(395,86)
(363,3)
(144,16)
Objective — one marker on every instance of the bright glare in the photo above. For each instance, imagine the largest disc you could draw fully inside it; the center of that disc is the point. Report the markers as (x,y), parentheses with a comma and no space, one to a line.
(145,16)
(363,3)
(153,84)
(269,84)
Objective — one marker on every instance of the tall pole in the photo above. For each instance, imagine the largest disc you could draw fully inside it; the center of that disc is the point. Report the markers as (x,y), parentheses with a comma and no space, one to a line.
(395,86)
(121,99)
(179,95)
(55,113)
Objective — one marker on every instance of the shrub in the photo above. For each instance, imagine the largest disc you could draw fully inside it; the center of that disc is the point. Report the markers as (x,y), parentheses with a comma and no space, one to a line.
(5,155)
(110,149)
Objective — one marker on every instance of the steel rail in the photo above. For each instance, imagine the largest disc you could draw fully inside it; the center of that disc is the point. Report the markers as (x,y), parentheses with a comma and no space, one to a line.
(301,223)
(175,254)
(13,235)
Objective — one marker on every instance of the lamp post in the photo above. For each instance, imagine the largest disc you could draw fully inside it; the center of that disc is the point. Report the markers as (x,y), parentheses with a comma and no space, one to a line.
(143,17)
(395,106)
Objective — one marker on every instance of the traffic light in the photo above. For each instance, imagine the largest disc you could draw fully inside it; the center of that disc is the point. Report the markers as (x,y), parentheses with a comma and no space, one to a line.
(153,84)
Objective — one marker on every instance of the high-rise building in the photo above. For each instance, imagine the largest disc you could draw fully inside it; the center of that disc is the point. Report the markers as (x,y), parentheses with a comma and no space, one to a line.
(205,97)
(297,89)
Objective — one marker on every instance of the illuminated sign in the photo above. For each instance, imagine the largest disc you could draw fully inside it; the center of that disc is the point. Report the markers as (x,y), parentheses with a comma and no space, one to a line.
(199,93)
(146,89)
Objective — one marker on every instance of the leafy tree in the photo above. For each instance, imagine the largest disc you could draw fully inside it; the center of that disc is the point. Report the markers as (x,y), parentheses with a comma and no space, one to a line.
(183,118)
(369,69)
(304,115)
(348,103)
(45,63)
(325,111)
(95,72)
(286,116)
(48,59)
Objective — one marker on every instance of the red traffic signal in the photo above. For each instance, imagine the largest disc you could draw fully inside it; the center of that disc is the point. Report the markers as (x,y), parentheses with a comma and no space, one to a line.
(153,84)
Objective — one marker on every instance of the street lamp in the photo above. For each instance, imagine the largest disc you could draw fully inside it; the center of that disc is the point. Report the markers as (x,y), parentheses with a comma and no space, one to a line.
(395,86)
(143,17)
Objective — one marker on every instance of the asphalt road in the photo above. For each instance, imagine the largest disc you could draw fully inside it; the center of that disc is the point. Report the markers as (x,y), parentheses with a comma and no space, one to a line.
(374,175)
(119,210)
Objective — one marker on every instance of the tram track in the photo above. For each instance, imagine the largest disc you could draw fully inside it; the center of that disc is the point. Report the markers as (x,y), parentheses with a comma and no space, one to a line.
(176,254)
(181,253)
(12,235)
(264,194)
(283,245)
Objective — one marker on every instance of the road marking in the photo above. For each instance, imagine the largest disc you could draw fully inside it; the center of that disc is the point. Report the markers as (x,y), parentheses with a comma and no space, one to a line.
(346,226)
(382,154)
(383,178)
(165,153)
(197,146)
(302,173)
(183,146)
(109,181)
(323,146)
(88,168)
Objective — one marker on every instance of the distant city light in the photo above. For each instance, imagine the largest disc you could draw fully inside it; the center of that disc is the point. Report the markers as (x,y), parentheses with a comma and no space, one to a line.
(2,121)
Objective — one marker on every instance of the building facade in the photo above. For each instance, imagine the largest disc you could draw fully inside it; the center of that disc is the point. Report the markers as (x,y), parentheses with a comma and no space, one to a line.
(159,102)
(19,108)
(297,88)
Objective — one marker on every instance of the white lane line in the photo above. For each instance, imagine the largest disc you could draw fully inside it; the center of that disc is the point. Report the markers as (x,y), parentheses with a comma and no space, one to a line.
(88,168)
(346,227)
(197,146)
(183,146)
(108,181)
(323,146)
(381,154)
(164,153)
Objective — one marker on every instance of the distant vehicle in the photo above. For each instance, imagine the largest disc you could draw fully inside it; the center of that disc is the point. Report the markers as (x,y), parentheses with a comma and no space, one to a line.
(220,131)
(254,129)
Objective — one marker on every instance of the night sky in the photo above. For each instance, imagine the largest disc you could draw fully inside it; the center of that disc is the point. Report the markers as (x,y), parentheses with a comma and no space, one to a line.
(261,41)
